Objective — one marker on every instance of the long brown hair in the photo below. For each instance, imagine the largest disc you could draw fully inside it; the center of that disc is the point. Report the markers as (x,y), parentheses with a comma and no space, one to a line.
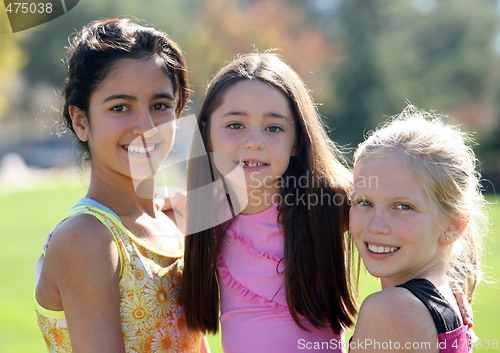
(317,279)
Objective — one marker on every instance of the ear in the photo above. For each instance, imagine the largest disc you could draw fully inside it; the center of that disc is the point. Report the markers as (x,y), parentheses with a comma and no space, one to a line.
(457,224)
(80,122)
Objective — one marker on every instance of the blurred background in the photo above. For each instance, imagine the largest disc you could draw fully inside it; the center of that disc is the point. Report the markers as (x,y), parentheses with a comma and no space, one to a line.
(361,59)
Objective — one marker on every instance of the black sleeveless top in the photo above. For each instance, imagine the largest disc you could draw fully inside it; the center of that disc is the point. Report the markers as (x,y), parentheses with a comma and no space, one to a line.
(452,335)
(445,317)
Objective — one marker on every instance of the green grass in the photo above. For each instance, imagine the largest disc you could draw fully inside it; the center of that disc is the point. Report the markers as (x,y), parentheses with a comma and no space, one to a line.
(28,216)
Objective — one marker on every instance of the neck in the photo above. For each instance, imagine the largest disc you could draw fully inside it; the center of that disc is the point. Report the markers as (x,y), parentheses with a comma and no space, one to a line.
(259,201)
(118,193)
(435,273)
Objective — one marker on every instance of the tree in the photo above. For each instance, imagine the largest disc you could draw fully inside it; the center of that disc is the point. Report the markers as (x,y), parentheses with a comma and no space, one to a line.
(223,28)
(439,57)
(12,60)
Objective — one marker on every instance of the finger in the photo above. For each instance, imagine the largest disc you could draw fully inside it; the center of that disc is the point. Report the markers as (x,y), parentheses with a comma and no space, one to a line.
(467,315)
(463,305)
(167,204)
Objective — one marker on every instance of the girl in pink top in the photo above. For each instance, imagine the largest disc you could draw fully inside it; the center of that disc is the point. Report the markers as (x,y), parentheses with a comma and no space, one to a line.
(282,273)
(416,219)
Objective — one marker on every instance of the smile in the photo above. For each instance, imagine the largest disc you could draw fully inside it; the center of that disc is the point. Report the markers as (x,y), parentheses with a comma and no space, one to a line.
(141,149)
(252,164)
(381,249)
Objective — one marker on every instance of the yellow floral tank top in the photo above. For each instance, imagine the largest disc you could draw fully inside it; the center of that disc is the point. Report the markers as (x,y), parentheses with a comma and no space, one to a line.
(152,313)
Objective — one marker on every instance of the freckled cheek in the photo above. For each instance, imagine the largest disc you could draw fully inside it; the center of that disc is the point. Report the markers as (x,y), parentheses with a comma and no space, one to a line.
(408,232)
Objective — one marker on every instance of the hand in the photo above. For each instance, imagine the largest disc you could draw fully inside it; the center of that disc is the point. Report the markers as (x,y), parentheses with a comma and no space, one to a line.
(174,208)
(463,304)
(175,203)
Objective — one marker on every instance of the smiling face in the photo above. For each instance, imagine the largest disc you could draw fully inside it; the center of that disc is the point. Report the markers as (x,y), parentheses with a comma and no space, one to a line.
(394,224)
(255,122)
(132,117)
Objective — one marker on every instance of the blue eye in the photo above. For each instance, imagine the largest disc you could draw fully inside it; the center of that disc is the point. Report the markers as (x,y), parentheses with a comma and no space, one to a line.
(235,126)
(363,203)
(404,207)
(274,129)
(119,108)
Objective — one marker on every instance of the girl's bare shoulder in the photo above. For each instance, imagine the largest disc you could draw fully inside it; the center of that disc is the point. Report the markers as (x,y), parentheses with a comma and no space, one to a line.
(80,231)
(398,306)
(395,315)
(81,244)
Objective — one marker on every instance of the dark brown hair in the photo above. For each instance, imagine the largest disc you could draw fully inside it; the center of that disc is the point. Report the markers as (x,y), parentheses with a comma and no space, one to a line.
(317,279)
(94,50)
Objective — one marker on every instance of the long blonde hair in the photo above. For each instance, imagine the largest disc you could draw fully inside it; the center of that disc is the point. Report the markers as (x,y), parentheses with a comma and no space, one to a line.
(441,161)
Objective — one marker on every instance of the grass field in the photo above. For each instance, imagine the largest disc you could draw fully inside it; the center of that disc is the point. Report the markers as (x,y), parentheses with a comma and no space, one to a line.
(26,217)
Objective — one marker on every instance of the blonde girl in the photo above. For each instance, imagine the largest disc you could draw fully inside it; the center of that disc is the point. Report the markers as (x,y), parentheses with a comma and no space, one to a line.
(417,220)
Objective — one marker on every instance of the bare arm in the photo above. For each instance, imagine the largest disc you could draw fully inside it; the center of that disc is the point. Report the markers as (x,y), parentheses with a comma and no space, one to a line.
(83,262)
(205,348)
(391,322)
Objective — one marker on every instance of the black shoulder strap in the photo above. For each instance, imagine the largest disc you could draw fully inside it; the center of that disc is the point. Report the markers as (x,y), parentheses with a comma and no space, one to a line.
(444,316)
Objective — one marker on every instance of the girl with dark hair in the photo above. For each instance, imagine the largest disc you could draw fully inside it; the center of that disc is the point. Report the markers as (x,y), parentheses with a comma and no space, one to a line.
(110,276)
(282,273)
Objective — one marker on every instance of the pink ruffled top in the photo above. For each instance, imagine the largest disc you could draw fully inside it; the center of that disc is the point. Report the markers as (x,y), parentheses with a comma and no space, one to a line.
(254,312)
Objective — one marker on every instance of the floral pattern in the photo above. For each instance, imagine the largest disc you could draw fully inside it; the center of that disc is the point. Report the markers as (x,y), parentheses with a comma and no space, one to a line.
(151,308)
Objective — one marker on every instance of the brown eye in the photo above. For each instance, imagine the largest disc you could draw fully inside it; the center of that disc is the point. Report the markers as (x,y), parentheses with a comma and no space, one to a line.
(274,129)
(119,108)
(160,106)
(235,126)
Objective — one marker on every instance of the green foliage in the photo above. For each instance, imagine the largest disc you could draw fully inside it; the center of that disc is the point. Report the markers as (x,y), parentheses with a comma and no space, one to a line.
(52,38)
(362,58)
(440,60)
(12,60)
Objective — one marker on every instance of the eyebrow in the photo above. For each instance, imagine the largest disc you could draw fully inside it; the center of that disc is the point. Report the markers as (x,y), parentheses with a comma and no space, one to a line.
(134,98)
(267,115)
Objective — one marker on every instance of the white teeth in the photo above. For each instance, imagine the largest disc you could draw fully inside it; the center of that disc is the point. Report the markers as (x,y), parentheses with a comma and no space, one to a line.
(381,249)
(251,164)
(140,149)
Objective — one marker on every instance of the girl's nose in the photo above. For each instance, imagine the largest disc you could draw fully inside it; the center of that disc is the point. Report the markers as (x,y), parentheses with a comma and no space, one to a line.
(254,141)
(144,124)
(378,223)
